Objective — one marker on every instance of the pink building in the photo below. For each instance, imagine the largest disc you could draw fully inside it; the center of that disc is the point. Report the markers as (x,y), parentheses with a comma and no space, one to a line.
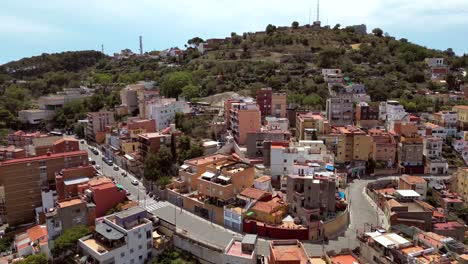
(243,118)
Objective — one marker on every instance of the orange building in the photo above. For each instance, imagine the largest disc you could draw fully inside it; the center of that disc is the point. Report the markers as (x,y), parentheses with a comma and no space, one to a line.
(243,118)
(192,169)
(384,146)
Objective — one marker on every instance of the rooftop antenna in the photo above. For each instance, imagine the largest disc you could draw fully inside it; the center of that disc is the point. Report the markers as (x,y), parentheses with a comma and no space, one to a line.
(141,45)
(318,10)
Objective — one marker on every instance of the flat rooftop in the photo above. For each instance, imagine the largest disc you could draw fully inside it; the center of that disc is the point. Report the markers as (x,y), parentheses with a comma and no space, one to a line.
(206,159)
(236,250)
(344,259)
(195,227)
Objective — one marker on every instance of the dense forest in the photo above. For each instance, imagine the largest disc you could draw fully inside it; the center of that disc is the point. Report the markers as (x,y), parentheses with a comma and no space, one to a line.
(284,58)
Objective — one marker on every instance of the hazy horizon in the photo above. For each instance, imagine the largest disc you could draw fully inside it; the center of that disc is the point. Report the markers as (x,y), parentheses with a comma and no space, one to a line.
(29,28)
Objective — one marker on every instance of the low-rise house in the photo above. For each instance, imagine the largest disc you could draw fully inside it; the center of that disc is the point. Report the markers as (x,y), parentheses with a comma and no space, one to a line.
(121,238)
(33,241)
(259,143)
(410,155)
(12,152)
(287,251)
(413,213)
(241,251)
(391,111)
(367,116)
(415,183)
(452,229)
(151,143)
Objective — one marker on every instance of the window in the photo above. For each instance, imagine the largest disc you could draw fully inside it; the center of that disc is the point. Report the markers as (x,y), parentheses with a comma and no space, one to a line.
(148,234)
(140,257)
(131,250)
(285,160)
(122,254)
(140,247)
(139,236)
(148,245)
(132,261)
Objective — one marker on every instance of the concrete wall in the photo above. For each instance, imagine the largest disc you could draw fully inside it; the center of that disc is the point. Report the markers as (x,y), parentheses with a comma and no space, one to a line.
(203,254)
(336,226)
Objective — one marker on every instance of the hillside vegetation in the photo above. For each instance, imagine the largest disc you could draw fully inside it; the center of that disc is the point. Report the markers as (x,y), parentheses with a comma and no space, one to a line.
(284,58)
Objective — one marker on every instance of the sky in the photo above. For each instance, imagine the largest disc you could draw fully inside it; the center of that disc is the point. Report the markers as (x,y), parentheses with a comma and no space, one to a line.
(32,27)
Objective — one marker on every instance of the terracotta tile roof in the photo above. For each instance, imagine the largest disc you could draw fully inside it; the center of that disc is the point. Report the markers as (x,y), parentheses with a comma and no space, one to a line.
(37,232)
(69,203)
(388,191)
(413,179)
(46,157)
(268,207)
(253,193)
(393,203)
(462,107)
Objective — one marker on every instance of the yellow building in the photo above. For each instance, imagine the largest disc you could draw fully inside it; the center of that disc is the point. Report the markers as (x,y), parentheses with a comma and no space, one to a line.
(129,146)
(462,113)
(352,144)
(270,212)
(462,182)
(307,123)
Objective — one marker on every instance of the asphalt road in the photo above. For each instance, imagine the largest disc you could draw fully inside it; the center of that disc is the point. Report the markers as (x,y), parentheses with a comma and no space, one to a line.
(137,192)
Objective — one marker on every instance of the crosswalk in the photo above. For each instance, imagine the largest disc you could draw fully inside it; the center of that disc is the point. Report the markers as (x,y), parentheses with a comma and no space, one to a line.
(152,205)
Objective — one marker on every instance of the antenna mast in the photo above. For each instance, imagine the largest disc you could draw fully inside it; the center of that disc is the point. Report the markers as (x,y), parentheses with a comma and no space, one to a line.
(318,10)
(102,48)
(141,45)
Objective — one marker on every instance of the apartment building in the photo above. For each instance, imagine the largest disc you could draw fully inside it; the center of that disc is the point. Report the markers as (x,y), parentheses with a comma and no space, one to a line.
(311,196)
(129,97)
(415,183)
(97,122)
(67,214)
(143,96)
(12,152)
(22,139)
(384,147)
(271,103)
(243,118)
(366,116)
(22,181)
(192,169)
(151,143)
(391,111)
(410,155)
(340,104)
(259,143)
(121,238)
(446,119)
(462,116)
(353,144)
(163,111)
(277,123)
(462,182)
(309,124)
(434,163)
(224,180)
(284,158)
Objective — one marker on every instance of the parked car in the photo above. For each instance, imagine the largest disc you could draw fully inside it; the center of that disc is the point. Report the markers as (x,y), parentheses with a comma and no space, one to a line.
(124,174)
(134,182)
(109,162)
(82,142)
(97,167)
(127,192)
(116,168)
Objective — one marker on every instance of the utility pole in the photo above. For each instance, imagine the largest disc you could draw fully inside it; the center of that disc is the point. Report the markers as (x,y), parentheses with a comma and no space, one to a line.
(141,45)
(318,10)
(102,48)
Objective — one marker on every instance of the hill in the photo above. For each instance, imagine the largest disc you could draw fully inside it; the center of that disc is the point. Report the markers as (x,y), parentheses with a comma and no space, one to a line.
(284,58)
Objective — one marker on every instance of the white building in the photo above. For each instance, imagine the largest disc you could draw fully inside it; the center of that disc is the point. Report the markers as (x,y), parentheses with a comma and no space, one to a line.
(122,238)
(391,111)
(163,111)
(35,116)
(33,241)
(435,62)
(312,154)
(432,147)
(277,123)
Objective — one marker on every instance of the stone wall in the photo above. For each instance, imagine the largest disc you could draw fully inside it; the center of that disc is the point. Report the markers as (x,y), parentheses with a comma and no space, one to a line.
(335,227)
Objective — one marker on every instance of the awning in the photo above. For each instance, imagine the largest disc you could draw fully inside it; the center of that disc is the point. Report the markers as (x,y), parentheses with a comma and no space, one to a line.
(250,213)
(184,166)
(120,186)
(208,174)
(76,181)
(330,167)
(130,158)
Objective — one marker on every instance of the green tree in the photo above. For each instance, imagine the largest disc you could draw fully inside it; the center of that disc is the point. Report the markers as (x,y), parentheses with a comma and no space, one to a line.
(151,171)
(195,41)
(377,32)
(34,259)
(270,29)
(337,27)
(66,243)
(172,83)
(295,24)
(312,100)
(190,91)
